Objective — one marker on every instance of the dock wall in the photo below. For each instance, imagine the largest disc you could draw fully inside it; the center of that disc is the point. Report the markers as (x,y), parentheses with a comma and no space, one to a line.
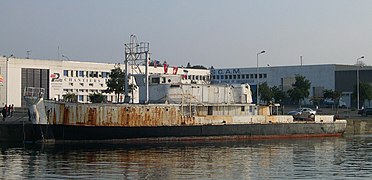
(358,127)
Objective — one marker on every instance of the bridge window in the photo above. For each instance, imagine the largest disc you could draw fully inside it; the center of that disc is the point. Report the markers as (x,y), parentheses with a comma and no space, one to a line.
(155,80)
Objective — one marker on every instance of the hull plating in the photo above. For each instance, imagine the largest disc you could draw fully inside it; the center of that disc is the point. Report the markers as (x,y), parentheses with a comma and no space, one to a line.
(245,131)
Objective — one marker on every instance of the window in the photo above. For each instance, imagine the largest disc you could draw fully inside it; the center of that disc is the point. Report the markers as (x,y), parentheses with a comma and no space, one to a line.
(251,76)
(230,76)
(81,84)
(77,73)
(71,84)
(260,76)
(238,76)
(234,76)
(105,74)
(264,75)
(242,108)
(81,97)
(218,76)
(81,73)
(65,73)
(213,77)
(91,84)
(155,80)
(72,73)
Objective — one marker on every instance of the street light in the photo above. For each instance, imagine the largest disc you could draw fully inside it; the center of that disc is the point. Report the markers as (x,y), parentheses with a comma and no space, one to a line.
(357,64)
(7,75)
(258,78)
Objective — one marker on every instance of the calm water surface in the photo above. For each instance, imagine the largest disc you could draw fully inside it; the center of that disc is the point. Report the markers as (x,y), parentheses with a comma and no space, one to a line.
(315,158)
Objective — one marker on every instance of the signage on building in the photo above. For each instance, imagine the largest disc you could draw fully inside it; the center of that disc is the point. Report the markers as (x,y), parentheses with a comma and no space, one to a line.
(80,80)
(55,77)
(1,80)
(225,71)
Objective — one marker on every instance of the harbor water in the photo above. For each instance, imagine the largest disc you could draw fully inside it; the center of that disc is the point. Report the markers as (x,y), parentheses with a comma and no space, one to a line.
(301,158)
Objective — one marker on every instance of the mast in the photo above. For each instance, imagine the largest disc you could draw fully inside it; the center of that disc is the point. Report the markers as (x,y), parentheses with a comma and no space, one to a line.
(136,56)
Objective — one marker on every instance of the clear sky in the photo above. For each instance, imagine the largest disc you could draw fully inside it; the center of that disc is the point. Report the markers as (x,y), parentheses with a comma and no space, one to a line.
(225,33)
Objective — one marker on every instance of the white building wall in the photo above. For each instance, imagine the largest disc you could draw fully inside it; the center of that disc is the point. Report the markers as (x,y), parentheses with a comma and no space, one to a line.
(60,84)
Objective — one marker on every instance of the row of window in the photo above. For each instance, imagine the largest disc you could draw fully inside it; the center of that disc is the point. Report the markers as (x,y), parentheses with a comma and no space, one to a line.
(73,73)
(82,90)
(82,84)
(239,76)
(197,77)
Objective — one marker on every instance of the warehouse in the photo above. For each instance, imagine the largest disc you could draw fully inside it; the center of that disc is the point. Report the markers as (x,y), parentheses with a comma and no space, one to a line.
(337,77)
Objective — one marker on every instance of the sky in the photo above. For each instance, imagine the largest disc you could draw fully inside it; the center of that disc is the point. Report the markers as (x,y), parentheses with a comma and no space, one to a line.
(218,33)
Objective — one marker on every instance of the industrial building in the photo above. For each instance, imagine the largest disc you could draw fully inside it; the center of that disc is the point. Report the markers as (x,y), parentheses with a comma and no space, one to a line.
(59,77)
(342,78)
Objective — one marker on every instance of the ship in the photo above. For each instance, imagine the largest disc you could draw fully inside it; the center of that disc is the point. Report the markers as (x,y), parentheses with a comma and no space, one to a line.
(169,108)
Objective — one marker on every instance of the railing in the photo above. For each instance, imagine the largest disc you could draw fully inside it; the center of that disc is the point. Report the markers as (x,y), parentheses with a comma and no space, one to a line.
(34,92)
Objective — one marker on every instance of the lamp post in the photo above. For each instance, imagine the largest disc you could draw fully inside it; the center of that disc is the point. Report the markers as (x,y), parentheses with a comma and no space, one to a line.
(7,75)
(357,64)
(258,78)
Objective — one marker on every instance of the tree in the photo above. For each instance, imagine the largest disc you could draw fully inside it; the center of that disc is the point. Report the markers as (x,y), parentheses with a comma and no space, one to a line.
(365,92)
(198,67)
(97,98)
(265,92)
(70,97)
(116,82)
(300,89)
(334,95)
(278,94)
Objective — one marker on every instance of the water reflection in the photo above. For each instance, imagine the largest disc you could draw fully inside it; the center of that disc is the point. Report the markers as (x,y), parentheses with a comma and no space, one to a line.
(325,158)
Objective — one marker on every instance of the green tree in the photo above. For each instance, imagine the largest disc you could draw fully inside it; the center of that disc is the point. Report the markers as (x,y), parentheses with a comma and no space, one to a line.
(70,97)
(116,82)
(300,89)
(334,95)
(265,92)
(278,94)
(97,98)
(365,92)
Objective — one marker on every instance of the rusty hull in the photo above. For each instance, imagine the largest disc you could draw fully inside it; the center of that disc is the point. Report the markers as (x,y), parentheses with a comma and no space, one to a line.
(116,115)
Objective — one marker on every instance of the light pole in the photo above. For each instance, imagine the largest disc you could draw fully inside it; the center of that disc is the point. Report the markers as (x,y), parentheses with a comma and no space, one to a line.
(7,75)
(258,78)
(357,64)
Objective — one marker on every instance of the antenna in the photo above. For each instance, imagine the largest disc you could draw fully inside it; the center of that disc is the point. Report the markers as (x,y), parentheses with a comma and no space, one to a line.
(28,53)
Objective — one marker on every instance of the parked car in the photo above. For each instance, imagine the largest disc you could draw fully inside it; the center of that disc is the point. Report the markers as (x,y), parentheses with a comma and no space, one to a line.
(330,102)
(302,113)
(365,112)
